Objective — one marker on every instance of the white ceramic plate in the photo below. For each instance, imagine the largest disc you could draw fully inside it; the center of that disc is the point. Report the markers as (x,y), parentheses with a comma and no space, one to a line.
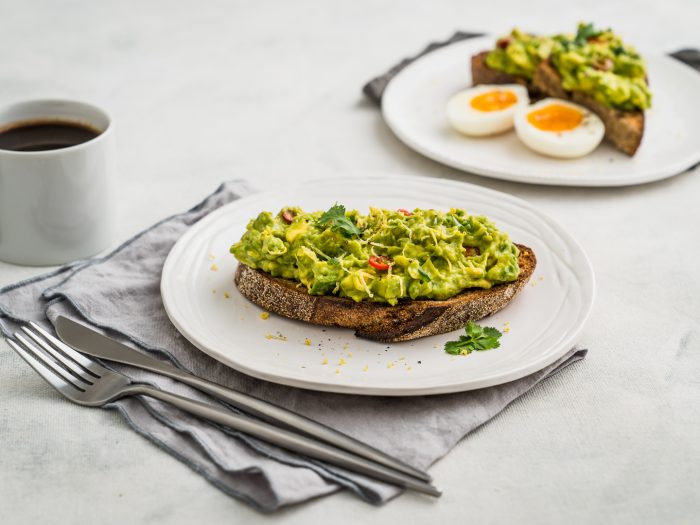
(544,320)
(414,108)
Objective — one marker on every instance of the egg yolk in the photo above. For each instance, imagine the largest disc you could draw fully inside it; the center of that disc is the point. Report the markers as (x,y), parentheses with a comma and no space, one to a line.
(494,100)
(555,117)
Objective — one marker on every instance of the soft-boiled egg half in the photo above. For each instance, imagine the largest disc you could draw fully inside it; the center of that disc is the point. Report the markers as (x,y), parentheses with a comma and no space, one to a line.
(559,128)
(486,109)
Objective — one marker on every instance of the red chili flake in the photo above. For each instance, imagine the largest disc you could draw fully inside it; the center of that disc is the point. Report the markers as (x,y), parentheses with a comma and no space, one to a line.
(503,42)
(288,216)
(380,262)
(404,212)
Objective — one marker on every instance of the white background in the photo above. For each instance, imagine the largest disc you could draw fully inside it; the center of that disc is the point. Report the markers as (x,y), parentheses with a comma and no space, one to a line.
(270,92)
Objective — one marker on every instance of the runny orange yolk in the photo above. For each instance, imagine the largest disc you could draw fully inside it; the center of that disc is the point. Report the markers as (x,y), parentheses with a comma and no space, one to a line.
(555,117)
(496,100)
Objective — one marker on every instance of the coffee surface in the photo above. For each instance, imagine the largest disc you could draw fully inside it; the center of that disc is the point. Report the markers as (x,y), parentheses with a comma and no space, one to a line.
(45,135)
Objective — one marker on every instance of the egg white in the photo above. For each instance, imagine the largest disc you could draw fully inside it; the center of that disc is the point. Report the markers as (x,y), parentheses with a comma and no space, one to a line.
(568,144)
(470,121)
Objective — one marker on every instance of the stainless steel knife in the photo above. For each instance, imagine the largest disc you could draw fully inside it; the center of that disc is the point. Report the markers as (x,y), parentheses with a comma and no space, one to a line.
(93,343)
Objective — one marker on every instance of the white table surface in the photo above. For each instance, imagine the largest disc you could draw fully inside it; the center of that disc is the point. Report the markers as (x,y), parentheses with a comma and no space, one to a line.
(270,92)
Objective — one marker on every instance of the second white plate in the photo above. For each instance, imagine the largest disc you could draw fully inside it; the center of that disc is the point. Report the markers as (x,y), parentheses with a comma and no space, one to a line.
(413,106)
(539,326)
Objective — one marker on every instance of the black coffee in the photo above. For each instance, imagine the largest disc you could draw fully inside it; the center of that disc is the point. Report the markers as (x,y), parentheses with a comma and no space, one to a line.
(42,135)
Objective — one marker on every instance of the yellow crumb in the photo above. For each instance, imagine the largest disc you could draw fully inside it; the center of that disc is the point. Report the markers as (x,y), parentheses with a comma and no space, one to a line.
(325,361)
(408,369)
(214,267)
(337,371)
(542,278)
(307,341)
(342,362)
(390,365)
(211,256)
(506,330)
(365,368)
(278,337)
(402,358)
(264,315)
(227,295)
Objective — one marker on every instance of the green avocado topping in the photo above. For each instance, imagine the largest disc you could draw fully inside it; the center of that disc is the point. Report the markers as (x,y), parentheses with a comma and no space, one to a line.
(600,64)
(384,256)
(595,62)
(519,53)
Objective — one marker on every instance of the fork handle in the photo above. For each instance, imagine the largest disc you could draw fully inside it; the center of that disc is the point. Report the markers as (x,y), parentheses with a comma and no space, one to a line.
(290,420)
(287,440)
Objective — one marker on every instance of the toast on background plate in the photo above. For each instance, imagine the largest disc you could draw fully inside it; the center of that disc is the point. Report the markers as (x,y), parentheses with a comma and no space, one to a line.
(593,68)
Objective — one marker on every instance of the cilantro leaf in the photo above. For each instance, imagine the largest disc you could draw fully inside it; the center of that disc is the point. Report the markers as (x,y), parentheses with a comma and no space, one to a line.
(425,276)
(585,31)
(337,220)
(477,338)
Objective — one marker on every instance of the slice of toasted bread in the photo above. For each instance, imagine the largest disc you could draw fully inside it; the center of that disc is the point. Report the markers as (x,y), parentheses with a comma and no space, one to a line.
(380,321)
(624,129)
(483,74)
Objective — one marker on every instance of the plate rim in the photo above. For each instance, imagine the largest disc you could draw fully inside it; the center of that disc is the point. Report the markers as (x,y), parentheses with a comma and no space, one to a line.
(492,380)
(677,168)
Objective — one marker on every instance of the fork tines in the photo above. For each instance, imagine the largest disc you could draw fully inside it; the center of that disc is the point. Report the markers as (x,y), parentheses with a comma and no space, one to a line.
(50,357)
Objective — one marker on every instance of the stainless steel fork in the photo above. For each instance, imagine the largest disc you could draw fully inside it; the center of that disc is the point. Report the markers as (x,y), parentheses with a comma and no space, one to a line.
(88,383)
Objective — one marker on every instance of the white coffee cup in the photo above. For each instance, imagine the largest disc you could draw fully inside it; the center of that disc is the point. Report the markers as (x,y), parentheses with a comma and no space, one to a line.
(57,205)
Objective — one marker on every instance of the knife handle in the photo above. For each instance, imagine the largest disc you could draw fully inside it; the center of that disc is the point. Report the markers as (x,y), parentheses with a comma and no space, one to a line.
(280,416)
(96,344)
(287,440)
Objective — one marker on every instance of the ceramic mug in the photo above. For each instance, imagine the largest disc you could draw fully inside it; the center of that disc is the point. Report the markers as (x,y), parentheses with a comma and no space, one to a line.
(57,205)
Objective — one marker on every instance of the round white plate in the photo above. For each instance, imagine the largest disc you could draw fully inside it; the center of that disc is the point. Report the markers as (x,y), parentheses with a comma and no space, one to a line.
(414,108)
(543,321)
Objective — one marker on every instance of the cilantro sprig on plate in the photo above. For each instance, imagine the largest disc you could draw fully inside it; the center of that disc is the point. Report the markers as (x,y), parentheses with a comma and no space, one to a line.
(337,220)
(477,338)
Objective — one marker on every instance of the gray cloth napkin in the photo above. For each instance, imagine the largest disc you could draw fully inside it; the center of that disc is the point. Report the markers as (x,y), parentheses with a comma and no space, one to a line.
(374,89)
(119,294)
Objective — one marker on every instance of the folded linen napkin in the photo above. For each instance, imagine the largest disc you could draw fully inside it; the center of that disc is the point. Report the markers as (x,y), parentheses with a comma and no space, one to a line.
(119,294)
(374,89)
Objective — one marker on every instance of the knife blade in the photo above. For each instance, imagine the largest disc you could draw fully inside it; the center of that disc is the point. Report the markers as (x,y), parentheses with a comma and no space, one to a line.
(91,342)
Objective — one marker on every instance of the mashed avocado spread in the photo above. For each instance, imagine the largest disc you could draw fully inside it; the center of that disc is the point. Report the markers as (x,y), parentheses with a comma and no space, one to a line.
(601,65)
(384,256)
(519,53)
(595,62)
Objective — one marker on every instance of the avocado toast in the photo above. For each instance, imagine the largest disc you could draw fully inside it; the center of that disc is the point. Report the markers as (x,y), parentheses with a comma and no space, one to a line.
(391,275)
(595,69)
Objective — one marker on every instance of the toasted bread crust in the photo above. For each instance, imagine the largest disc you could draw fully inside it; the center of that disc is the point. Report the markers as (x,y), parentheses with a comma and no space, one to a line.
(380,321)
(483,74)
(624,129)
